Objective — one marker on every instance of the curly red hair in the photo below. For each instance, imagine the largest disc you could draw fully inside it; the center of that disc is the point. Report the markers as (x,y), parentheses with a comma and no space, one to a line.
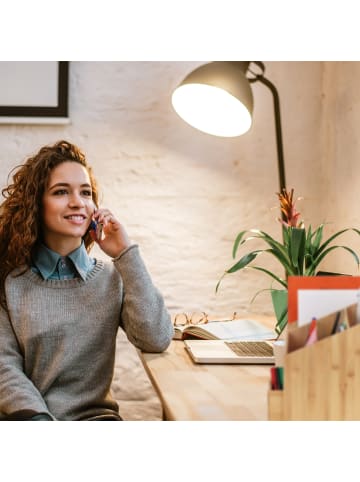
(20,213)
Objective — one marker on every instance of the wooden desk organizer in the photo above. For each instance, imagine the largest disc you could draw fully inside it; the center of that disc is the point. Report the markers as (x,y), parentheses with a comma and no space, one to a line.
(322,381)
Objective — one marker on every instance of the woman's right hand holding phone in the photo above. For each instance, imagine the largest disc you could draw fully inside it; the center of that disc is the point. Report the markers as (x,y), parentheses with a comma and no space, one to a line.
(112,236)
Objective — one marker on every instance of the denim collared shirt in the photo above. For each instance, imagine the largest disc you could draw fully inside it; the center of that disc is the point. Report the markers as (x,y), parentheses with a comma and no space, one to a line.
(51,265)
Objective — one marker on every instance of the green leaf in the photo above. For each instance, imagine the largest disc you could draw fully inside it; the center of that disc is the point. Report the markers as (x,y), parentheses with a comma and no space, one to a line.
(328,241)
(308,238)
(249,238)
(282,322)
(297,240)
(273,243)
(286,236)
(257,293)
(310,266)
(280,303)
(318,260)
(279,251)
(317,235)
(244,261)
(284,261)
(308,254)
(237,242)
(279,280)
(218,283)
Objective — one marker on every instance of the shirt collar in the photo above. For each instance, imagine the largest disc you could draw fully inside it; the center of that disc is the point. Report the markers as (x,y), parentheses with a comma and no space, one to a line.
(46,261)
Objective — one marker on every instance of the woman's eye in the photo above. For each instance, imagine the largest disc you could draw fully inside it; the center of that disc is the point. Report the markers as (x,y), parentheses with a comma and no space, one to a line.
(87,193)
(60,192)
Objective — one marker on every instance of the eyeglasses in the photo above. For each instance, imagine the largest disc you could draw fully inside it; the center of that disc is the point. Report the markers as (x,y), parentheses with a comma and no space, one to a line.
(198,318)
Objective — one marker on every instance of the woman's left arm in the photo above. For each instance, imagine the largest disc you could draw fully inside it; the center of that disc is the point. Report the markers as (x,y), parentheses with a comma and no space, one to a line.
(144,316)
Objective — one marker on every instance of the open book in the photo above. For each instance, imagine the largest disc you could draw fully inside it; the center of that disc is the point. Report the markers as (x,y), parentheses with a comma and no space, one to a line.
(238,329)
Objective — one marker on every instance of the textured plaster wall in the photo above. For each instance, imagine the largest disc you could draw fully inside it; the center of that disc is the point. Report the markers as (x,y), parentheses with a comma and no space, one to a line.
(340,159)
(184,195)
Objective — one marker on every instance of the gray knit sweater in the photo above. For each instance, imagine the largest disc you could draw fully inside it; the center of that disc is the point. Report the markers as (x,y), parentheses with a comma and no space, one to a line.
(57,343)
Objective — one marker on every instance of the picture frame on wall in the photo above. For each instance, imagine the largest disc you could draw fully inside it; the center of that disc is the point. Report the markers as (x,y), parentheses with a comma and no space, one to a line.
(33,92)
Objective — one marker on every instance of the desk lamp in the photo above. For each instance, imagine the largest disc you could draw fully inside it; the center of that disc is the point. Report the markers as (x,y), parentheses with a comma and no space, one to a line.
(217,99)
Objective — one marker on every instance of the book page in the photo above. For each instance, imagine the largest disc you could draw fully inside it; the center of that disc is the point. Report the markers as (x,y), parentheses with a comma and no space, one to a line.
(241,329)
(178,332)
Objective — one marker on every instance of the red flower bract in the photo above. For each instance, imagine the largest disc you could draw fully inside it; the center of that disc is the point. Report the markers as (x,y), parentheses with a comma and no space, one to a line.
(287,206)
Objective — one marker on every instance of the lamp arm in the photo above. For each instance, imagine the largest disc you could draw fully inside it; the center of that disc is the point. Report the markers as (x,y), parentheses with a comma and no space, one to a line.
(279,143)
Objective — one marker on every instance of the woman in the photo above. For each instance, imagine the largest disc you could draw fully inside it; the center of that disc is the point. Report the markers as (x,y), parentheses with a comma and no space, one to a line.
(60,309)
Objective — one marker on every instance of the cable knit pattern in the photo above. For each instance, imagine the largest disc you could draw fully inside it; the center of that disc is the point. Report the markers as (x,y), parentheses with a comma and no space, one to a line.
(57,344)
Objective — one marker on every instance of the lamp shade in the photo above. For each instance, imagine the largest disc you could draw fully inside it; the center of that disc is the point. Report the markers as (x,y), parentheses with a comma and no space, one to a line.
(216,98)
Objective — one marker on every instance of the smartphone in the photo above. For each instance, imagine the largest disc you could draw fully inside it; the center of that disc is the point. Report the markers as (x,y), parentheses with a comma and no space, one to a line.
(97,227)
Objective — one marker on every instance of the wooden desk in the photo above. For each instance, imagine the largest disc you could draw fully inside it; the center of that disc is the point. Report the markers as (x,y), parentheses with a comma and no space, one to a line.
(190,391)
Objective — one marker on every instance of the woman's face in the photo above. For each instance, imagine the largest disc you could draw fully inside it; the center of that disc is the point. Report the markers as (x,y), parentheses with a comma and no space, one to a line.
(67,207)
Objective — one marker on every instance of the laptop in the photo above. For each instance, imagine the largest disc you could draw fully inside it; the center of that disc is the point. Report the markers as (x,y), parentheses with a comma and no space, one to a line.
(257,352)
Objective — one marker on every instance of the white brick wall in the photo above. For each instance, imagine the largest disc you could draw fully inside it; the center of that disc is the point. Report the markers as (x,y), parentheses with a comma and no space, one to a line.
(184,195)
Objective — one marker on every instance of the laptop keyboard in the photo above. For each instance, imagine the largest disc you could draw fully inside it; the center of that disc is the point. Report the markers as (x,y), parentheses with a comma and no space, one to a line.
(251,348)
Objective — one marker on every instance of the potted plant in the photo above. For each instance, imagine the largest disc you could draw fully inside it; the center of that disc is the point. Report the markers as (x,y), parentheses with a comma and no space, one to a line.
(300,253)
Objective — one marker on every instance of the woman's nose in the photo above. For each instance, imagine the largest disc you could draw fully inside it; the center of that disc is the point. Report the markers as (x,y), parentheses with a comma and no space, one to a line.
(76,200)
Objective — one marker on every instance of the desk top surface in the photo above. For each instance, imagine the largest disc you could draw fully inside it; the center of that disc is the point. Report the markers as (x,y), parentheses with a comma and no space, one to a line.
(190,391)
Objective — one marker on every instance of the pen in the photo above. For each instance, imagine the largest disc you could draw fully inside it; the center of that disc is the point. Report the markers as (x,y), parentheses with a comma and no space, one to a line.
(337,318)
(312,336)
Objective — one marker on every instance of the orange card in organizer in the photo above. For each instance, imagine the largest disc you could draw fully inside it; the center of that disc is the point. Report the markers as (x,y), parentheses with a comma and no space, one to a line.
(298,283)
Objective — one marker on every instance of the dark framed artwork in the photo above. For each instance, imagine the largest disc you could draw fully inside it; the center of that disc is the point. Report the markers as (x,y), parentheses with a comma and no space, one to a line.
(34,92)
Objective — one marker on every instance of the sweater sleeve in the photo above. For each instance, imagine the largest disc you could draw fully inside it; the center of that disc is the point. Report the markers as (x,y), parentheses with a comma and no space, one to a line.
(17,392)
(144,316)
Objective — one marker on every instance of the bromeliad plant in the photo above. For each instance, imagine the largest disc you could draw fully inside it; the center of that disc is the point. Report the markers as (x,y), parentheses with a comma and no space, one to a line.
(300,253)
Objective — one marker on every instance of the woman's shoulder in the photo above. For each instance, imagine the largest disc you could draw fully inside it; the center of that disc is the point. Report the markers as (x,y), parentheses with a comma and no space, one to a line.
(18,272)
(103,268)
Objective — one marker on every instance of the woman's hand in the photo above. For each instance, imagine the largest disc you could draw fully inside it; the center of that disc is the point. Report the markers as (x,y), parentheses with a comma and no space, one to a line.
(114,238)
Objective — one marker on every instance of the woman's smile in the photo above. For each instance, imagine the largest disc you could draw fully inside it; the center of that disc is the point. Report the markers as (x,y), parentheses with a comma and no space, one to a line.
(77,219)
